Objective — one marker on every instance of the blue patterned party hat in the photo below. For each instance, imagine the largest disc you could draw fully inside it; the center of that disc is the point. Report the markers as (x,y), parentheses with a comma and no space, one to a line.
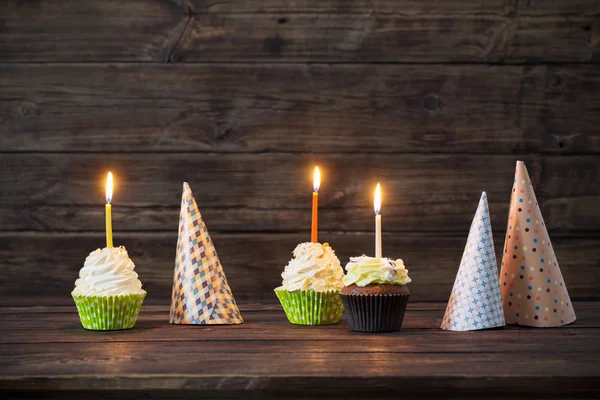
(201,294)
(475,302)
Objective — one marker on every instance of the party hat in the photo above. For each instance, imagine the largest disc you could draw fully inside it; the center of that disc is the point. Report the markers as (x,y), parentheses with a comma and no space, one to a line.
(533,290)
(201,294)
(475,301)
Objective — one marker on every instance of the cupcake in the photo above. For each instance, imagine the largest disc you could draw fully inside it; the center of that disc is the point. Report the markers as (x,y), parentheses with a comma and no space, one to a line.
(108,293)
(310,292)
(375,294)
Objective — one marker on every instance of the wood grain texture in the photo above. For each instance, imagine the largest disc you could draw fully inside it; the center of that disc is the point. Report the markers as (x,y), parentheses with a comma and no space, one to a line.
(76,30)
(85,87)
(271,192)
(408,7)
(171,366)
(398,37)
(40,269)
(251,360)
(299,108)
(366,31)
(574,216)
(62,325)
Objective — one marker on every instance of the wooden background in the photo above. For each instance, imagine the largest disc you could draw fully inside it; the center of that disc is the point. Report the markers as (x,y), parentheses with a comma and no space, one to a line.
(435,99)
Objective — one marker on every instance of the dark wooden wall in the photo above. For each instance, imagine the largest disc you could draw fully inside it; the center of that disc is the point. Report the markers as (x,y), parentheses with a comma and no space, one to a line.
(436,99)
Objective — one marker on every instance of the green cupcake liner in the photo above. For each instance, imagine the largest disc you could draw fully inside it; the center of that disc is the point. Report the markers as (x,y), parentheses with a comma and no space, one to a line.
(108,313)
(311,307)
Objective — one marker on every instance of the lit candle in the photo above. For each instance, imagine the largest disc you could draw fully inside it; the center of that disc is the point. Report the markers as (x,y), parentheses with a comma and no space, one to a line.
(315,206)
(377,207)
(109,190)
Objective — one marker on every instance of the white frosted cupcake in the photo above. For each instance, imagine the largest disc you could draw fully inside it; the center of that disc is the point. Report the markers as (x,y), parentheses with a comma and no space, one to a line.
(108,293)
(311,285)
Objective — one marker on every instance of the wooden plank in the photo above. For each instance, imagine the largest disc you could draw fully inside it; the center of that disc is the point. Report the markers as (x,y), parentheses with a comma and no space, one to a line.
(406,7)
(253,263)
(466,31)
(271,192)
(269,329)
(569,215)
(32,359)
(431,37)
(144,366)
(282,341)
(364,31)
(353,7)
(499,388)
(76,30)
(421,316)
(156,359)
(299,108)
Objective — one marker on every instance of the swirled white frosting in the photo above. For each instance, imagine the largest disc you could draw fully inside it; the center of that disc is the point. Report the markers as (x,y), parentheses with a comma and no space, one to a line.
(364,270)
(314,267)
(108,272)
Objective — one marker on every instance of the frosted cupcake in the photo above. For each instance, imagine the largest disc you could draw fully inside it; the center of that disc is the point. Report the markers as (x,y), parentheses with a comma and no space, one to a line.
(375,294)
(311,285)
(108,293)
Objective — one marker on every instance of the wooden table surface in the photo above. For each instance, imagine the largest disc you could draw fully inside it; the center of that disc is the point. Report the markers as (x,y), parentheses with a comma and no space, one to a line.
(45,353)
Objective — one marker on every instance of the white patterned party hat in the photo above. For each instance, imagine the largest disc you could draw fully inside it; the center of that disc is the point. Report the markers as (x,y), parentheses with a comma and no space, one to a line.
(201,294)
(475,301)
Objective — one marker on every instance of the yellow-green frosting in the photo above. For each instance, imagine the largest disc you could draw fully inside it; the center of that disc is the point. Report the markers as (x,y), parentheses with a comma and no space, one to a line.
(364,270)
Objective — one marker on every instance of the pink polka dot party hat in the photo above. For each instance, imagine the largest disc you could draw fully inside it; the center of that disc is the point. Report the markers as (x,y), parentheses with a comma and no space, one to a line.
(533,289)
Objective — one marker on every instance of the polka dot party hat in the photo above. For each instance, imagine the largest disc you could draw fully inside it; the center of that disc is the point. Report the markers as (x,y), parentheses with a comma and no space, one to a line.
(201,294)
(533,290)
(475,301)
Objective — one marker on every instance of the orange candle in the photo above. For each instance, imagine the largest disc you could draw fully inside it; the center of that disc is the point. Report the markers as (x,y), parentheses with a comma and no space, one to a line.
(315,206)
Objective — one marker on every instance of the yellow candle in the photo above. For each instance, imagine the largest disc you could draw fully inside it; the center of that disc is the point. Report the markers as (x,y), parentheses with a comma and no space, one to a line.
(377,207)
(315,206)
(109,190)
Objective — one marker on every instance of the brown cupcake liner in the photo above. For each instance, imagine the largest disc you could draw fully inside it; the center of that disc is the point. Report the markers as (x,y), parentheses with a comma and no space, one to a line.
(375,312)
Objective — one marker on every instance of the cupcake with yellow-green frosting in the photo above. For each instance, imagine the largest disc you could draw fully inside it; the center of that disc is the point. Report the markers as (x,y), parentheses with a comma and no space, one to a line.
(312,280)
(375,294)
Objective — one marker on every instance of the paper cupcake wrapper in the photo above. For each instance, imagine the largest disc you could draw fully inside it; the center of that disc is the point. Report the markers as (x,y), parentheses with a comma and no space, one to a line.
(375,312)
(311,307)
(108,313)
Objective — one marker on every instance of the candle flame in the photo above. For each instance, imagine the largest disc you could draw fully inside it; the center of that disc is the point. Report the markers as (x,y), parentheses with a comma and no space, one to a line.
(109,188)
(316,180)
(377,202)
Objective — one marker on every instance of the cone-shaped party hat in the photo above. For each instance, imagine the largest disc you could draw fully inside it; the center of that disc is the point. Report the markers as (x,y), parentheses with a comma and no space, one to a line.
(533,290)
(475,301)
(201,294)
